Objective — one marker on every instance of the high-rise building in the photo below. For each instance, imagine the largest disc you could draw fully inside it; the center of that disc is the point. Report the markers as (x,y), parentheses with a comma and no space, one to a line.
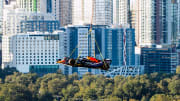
(103,12)
(18,20)
(99,12)
(99,29)
(39,25)
(49,6)
(55,8)
(152,22)
(78,41)
(65,50)
(29,5)
(178,52)
(133,13)
(172,14)
(65,12)
(40,6)
(79,12)
(117,41)
(162,60)
(121,12)
(1,15)
(7,2)
(61,9)
(178,18)
(118,44)
(35,51)
(175,5)
(1,20)
(82,12)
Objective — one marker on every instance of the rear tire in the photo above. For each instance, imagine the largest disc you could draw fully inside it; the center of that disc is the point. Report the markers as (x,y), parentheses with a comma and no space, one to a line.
(71,62)
(106,66)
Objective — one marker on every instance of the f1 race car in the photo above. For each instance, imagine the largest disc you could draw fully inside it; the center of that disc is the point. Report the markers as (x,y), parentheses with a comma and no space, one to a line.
(89,62)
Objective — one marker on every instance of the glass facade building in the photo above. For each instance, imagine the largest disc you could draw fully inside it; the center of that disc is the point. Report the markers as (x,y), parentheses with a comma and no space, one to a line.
(121,10)
(83,10)
(29,5)
(79,36)
(65,10)
(103,12)
(49,6)
(118,44)
(154,22)
(1,32)
(162,60)
(39,25)
(113,45)
(178,18)
(78,40)
(98,36)
(1,15)
(19,21)
(43,69)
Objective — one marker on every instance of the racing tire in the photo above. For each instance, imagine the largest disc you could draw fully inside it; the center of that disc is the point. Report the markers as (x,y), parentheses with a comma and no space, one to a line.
(71,62)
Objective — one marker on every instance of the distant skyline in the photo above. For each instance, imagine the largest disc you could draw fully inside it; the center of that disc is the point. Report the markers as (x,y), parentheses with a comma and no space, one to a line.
(155,22)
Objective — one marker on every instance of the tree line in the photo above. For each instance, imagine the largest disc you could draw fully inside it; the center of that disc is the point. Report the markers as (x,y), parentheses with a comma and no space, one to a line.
(15,86)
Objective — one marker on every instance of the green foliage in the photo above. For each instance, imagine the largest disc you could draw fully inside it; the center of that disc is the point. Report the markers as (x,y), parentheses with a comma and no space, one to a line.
(7,71)
(144,98)
(16,86)
(178,70)
(113,98)
(13,92)
(161,97)
(70,91)
(23,79)
(90,94)
(174,87)
(46,97)
(0,80)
